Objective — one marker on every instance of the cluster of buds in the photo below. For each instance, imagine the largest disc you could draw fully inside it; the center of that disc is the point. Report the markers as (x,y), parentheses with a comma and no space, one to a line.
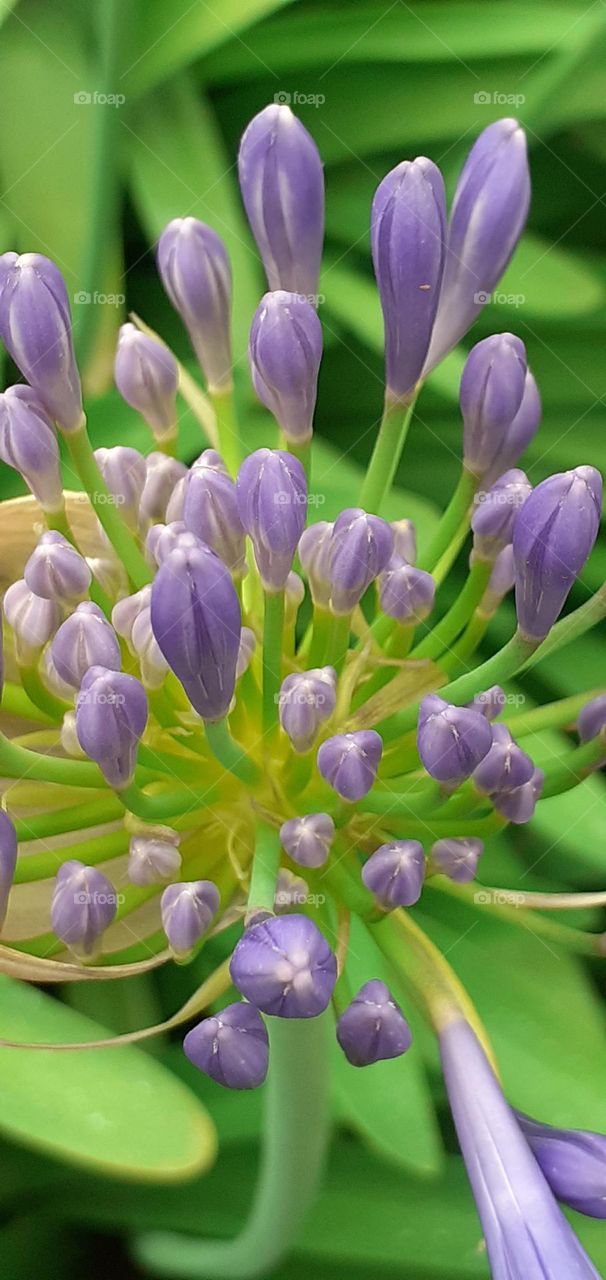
(157,647)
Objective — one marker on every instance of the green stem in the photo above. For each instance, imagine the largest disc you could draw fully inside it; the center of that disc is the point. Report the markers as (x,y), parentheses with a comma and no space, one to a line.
(15,702)
(227,429)
(265,867)
(43,866)
(552,716)
(571,627)
(320,632)
(229,753)
(122,541)
(273,626)
(475,895)
(18,762)
(166,804)
(458,615)
(53,707)
(574,768)
(338,642)
(455,662)
(386,454)
(454,520)
(82,817)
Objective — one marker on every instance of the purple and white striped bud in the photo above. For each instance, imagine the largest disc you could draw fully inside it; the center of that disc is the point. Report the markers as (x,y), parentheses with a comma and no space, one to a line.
(495,513)
(285,967)
(405,540)
(282,185)
(294,595)
(314,554)
(154,858)
(195,616)
(195,271)
(84,640)
(349,762)
(36,328)
(174,506)
(188,910)
(52,679)
(291,891)
(56,570)
(8,861)
(491,702)
(518,435)
(83,906)
(360,549)
(285,351)
(232,1047)
(126,612)
(553,536)
(486,221)
(33,620)
(147,376)
(573,1161)
(210,510)
(162,474)
(518,806)
(457,858)
(28,443)
(125,473)
(111,715)
(451,740)
(306,700)
(501,581)
(307,840)
(505,766)
(373,1028)
(406,593)
(163,538)
(131,618)
(246,649)
(272,503)
(408,233)
(592,718)
(492,388)
(395,873)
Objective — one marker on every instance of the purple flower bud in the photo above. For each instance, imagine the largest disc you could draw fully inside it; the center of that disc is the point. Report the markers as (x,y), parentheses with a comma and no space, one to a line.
(232,1047)
(486,221)
(505,766)
(314,554)
(349,762)
(188,910)
(492,387)
(153,664)
(33,619)
(307,840)
(373,1028)
(147,376)
(519,805)
(125,473)
(69,736)
(360,549)
(553,536)
(408,232)
(451,740)
(195,615)
(306,700)
(395,873)
(126,612)
(592,718)
(520,432)
(210,510)
(294,595)
(111,715)
(282,185)
(83,906)
(246,649)
(8,861)
(194,268)
(457,859)
(406,593)
(174,506)
(84,640)
(56,571)
(163,538)
(154,859)
(285,350)
(291,891)
(162,474)
(285,967)
(28,443)
(573,1161)
(405,540)
(36,328)
(495,513)
(500,582)
(491,703)
(272,502)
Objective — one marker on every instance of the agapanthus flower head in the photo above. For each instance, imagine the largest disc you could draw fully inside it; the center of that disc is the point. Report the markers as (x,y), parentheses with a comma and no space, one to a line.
(495,513)
(360,548)
(272,503)
(232,1047)
(284,351)
(8,861)
(56,570)
(451,740)
(111,715)
(210,510)
(573,1161)
(36,329)
(33,619)
(395,873)
(28,443)
(406,593)
(307,840)
(162,474)
(505,766)
(83,906)
(314,554)
(373,1028)
(282,185)
(348,762)
(457,858)
(285,967)
(195,271)
(306,700)
(188,909)
(125,473)
(86,639)
(147,377)
(492,388)
(518,805)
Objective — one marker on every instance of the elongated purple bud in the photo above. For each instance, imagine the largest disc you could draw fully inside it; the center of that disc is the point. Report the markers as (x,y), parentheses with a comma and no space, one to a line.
(36,328)
(451,740)
(395,873)
(84,640)
(131,618)
(154,858)
(373,1028)
(188,910)
(491,702)
(592,718)
(162,474)
(360,549)
(33,619)
(486,221)
(457,858)
(147,377)
(125,473)
(573,1161)
(195,616)
(406,593)
(501,581)
(492,388)
(111,715)
(553,537)
(306,700)
(349,762)
(405,540)
(210,510)
(272,502)
(505,766)
(195,271)
(28,443)
(285,967)
(83,906)
(282,185)
(314,554)
(408,233)
(519,434)
(126,612)
(56,571)
(518,806)
(284,351)
(307,840)
(495,513)
(232,1047)
(8,861)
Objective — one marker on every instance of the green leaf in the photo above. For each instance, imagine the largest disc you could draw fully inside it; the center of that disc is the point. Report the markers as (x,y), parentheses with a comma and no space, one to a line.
(545,280)
(116,1111)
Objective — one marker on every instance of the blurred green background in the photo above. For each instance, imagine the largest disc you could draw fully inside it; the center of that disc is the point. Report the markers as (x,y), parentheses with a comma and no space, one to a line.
(121,114)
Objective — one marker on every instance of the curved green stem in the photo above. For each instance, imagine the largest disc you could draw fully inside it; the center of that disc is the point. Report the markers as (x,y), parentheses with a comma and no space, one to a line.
(552,716)
(571,627)
(454,521)
(227,429)
(15,702)
(166,804)
(228,752)
(386,454)
(53,707)
(42,866)
(18,762)
(573,769)
(458,615)
(79,818)
(265,866)
(104,506)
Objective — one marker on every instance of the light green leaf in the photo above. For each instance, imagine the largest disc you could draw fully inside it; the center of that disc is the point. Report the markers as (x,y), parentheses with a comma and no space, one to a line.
(545,280)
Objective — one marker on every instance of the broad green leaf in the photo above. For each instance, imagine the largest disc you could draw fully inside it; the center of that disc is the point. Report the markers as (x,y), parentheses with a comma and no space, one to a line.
(116,1111)
(546,280)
